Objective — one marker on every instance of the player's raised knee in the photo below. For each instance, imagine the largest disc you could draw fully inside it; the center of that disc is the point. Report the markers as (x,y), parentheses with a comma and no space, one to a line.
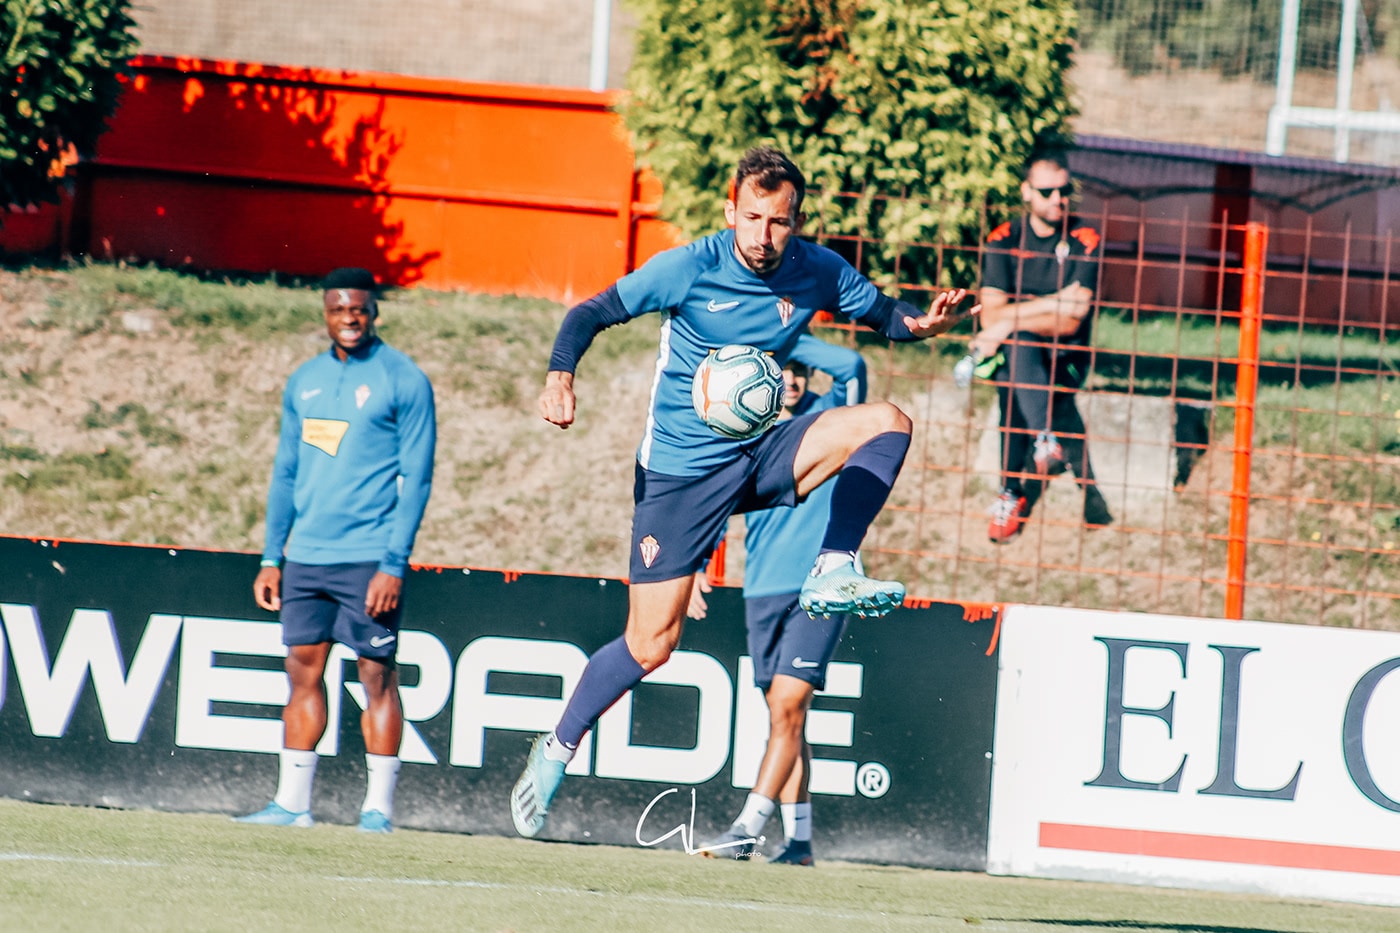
(886,417)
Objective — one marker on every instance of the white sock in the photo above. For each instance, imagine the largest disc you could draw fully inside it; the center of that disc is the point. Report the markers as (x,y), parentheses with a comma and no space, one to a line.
(757,809)
(829,560)
(383,778)
(296,769)
(556,750)
(797,821)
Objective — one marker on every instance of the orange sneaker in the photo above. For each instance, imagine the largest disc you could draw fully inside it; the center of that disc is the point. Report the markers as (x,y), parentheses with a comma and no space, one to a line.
(1009,515)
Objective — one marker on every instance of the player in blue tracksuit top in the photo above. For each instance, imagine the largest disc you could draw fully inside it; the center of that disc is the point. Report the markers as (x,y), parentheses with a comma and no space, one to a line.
(790,650)
(350,481)
(756,283)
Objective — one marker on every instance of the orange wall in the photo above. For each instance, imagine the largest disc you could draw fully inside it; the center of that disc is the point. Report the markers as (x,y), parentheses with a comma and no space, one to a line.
(486,187)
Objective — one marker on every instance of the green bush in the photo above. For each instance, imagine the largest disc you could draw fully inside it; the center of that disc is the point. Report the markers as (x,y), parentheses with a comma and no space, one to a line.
(60,73)
(920,109)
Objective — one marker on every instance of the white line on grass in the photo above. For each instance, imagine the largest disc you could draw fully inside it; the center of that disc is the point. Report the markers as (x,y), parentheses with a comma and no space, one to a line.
(75,860)
(670,901)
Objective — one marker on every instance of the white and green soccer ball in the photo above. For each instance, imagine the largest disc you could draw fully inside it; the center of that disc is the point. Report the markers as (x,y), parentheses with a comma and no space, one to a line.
(738,391)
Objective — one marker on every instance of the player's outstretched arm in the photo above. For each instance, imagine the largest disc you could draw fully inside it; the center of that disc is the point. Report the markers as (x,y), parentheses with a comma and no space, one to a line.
(583,322)
(557,399)
(942,315)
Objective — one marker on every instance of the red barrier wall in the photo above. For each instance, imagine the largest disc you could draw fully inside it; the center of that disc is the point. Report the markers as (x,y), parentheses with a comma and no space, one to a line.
(487,187)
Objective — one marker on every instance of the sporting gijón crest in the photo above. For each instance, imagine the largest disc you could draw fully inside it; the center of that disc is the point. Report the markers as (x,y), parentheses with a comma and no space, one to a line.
(649,547)
(785,309)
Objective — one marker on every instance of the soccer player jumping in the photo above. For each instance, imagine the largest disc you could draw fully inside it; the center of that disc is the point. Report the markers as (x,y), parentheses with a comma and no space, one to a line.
(756,283)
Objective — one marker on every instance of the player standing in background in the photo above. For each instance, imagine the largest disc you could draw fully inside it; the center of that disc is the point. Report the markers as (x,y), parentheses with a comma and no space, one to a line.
(758,284)
(1038,278)
(350,481)
(790,650)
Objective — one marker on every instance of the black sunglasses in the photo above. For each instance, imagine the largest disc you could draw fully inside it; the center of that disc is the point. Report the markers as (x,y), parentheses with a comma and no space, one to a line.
(1065,190)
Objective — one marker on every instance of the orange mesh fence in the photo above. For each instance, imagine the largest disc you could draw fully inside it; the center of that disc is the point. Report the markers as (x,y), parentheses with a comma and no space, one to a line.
(1251,461)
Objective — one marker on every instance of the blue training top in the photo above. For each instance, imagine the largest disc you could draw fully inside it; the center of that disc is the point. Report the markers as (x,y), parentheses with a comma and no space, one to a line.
(354,462)
(708,297)
(781,544)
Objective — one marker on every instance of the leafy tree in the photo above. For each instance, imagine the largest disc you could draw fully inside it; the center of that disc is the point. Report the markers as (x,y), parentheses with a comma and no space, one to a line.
(918,110)
(60,66)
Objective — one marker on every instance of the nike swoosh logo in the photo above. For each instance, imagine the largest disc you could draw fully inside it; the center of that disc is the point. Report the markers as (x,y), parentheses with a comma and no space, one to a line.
(720,305)
(379,641)
(799,663)
(310,393)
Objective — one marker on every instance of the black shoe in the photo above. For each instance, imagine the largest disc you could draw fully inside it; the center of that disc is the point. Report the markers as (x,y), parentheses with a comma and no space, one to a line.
(1096,513)
(796,853)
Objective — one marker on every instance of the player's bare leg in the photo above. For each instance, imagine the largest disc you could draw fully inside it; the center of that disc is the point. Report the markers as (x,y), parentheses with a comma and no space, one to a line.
(837,434)
(304,716)
(655,618)
(382,726)
(303,723)
(788,699)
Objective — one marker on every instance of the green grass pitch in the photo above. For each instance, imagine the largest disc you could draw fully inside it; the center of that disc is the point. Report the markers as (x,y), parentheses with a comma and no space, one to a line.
(76,868)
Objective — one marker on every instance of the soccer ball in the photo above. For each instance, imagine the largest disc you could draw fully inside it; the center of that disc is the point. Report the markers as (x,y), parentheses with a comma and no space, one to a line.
(738,391)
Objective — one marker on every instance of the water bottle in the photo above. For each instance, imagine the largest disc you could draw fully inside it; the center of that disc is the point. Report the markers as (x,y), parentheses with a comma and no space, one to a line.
(963,370)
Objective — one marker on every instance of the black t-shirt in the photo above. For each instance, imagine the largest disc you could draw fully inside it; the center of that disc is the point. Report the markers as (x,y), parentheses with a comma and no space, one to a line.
(1024,265)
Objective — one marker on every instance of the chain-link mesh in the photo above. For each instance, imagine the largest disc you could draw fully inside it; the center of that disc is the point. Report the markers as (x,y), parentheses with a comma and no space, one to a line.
(515,41)
(1320,485)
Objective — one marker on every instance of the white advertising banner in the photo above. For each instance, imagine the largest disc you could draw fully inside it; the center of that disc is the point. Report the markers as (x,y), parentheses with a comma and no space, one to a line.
(1188,752)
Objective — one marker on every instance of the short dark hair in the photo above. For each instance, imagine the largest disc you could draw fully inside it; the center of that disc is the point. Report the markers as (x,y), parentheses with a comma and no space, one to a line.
(350,277)
(1055,155)
(798,368)
(769,168)
(358,279)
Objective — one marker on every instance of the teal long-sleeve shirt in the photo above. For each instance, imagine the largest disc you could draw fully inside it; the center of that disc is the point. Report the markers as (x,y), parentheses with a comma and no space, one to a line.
(354,462)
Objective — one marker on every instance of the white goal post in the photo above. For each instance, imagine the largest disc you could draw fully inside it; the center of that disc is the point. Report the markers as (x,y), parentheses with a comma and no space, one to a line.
(1340,117)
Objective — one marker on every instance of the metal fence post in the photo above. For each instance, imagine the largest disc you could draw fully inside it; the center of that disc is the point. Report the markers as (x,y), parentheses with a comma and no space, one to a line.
(1256,241)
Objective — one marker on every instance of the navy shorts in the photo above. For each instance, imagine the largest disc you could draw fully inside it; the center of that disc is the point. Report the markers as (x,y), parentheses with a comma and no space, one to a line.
(678,519)
(783,639)
(322,603)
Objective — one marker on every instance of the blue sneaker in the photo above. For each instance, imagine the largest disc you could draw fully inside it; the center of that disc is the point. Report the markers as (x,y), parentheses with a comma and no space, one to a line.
(844,589)
(796,853)
(274,815)
(372,821)
(731,844)
(532,794)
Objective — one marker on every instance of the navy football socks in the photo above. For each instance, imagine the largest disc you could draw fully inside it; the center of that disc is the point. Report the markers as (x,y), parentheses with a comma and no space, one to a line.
(610,673)
(862,487)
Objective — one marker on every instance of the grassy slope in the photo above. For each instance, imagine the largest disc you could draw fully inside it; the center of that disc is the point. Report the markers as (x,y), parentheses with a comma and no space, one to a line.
(142,405)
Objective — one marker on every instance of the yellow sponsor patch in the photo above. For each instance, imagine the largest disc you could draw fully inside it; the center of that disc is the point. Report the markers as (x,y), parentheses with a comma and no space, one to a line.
(324,434)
